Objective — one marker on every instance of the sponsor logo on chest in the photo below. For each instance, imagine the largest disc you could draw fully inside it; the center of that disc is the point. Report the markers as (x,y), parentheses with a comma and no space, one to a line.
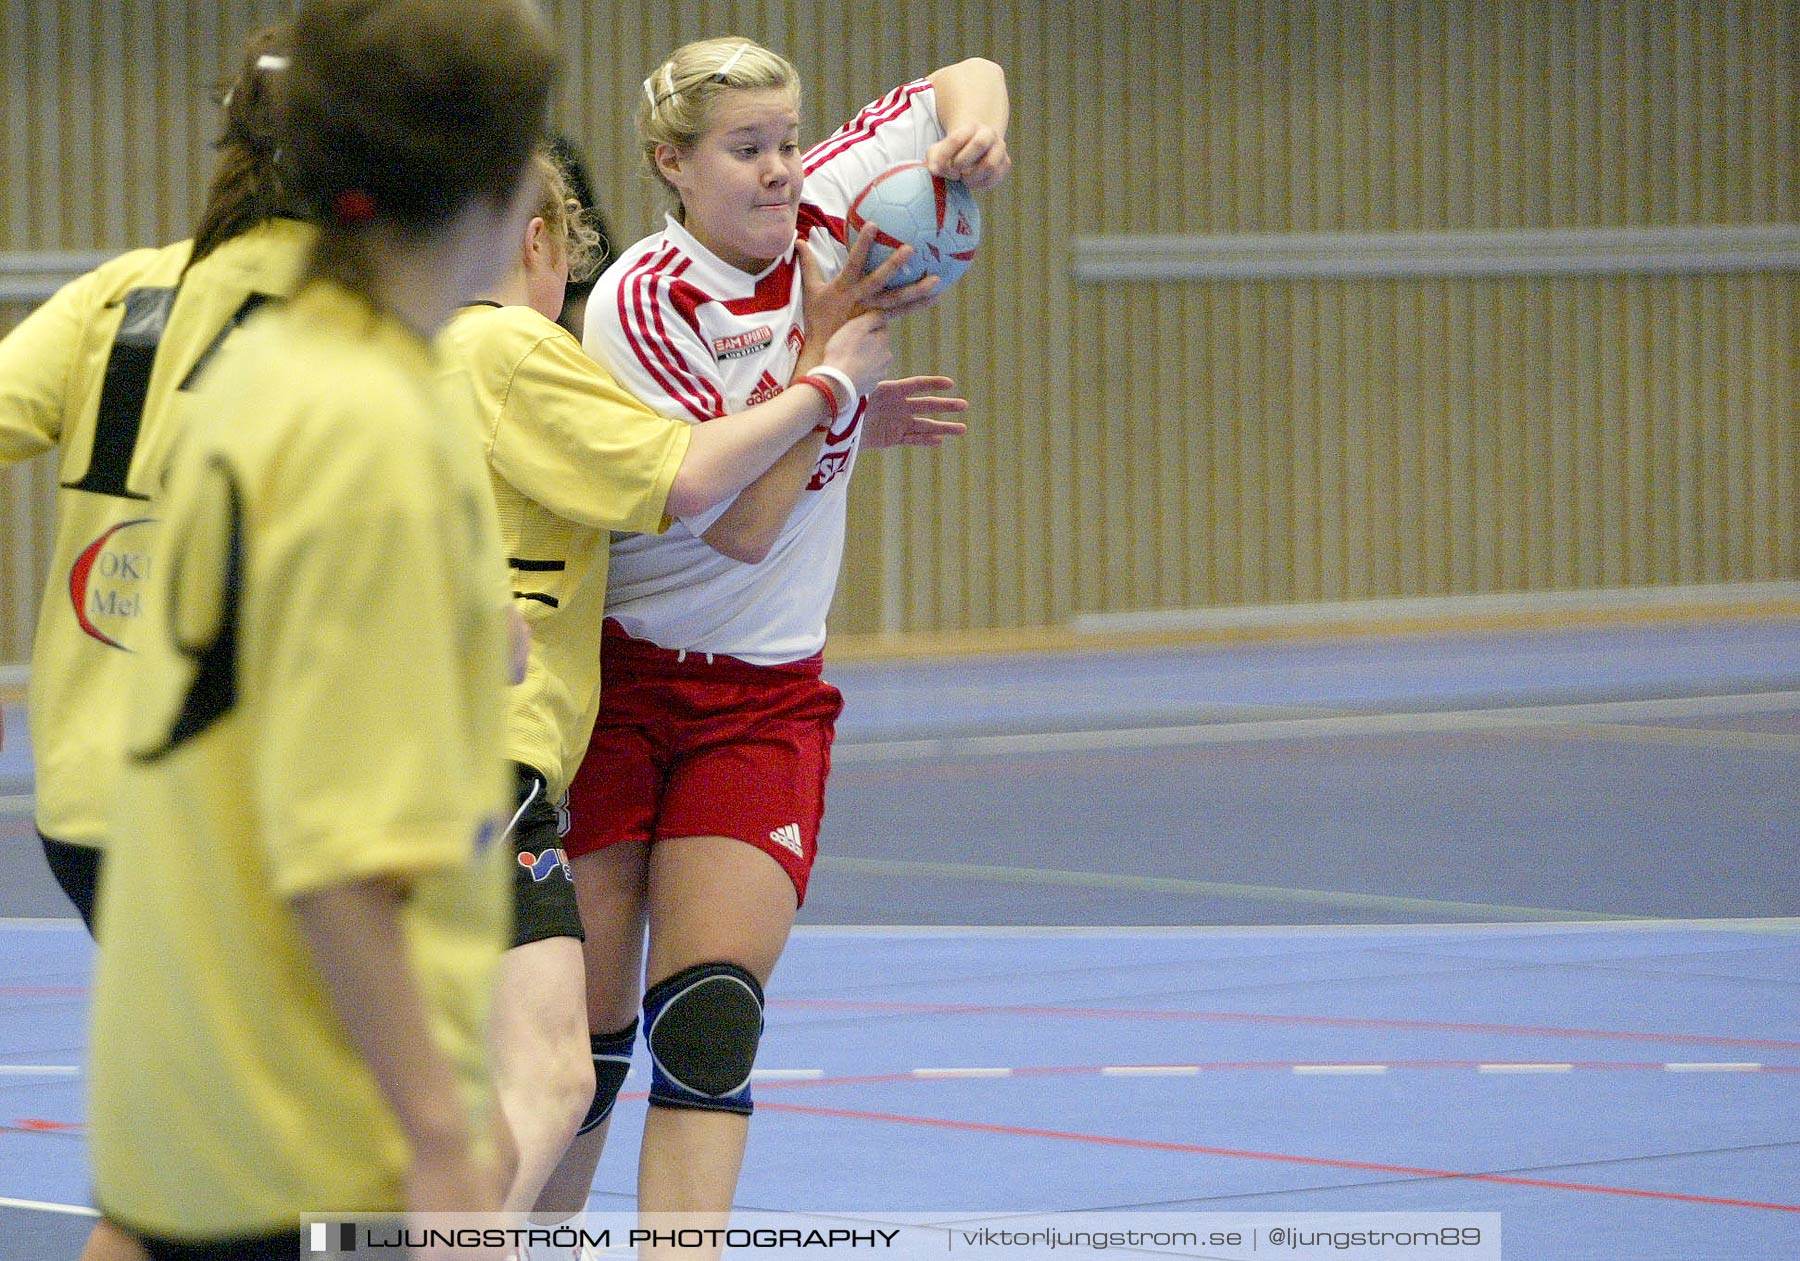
(108,579)
(743,345)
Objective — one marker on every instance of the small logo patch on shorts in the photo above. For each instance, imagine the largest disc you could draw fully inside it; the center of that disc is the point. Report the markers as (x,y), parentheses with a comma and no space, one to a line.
(788,837)
(542,865)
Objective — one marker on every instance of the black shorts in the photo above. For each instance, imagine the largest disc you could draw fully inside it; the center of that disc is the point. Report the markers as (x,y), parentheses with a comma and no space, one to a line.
(284,1246)
(77,870)
(543,885)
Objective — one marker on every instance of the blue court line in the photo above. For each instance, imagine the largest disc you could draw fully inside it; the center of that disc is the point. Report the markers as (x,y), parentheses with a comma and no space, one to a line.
(1592,717)
(1231,891)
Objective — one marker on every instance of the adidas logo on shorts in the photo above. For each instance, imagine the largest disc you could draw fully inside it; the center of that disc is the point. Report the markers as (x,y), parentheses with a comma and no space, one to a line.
(788,837)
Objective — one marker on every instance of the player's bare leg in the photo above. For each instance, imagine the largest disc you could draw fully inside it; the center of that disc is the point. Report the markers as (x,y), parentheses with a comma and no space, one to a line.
(542,1071)
(711,900)
(106,1242)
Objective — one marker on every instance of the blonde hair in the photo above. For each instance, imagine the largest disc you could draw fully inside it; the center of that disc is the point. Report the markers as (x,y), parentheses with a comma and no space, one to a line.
(679,96)
(569,224)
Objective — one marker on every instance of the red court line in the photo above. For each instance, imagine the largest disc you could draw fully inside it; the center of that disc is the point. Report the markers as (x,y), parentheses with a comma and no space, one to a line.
(37,1125)
(1109,1140)
(1262,1018)
(34,1125)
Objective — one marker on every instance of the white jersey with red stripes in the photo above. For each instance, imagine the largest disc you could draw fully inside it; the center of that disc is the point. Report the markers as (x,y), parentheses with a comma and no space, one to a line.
(695,338)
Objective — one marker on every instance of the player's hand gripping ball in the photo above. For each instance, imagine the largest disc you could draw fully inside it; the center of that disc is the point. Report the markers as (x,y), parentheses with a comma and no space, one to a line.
(908,205)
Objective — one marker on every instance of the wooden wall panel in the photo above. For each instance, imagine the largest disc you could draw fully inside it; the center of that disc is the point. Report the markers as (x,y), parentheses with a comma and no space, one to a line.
(1173,444)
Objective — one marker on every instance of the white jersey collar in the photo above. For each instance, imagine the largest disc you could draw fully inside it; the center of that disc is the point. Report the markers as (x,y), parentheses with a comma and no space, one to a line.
(718,276)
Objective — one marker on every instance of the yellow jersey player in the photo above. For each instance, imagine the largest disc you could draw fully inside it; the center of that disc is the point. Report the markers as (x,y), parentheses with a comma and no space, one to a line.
(103,370)
(305,904)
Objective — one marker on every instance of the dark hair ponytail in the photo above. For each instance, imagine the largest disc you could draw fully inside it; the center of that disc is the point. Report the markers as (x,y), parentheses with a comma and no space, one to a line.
(246,188)
(403,112)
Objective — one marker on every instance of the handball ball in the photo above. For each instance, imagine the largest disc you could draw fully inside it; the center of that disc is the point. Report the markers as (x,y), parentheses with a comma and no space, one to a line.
(908,205)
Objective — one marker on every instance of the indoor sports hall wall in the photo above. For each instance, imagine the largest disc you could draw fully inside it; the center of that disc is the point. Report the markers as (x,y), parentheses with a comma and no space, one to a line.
(1167,443)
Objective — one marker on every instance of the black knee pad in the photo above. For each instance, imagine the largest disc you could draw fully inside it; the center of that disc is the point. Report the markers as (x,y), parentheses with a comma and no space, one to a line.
(702,1026)
(612,1061)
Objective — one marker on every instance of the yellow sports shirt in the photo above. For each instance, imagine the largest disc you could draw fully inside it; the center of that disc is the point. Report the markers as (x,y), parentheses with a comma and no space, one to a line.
(318,702)
(572,457)
(100,369)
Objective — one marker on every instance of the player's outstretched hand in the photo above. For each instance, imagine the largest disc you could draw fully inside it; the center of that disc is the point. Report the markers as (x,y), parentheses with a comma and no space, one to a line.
(900,411)
(974,153)
(830,304)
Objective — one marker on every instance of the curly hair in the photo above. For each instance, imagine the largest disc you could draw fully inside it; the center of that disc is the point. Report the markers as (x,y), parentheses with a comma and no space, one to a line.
(566,219)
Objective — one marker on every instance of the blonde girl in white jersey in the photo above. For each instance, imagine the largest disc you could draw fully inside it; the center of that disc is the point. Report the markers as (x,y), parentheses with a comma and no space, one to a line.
(573,457)
(697,810)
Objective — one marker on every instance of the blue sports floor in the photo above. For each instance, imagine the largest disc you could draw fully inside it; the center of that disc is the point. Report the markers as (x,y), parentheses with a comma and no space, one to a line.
(1501,923)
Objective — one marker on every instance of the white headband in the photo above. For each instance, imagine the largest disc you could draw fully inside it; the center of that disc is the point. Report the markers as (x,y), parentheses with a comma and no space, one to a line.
(668,76)
(719,74)
(268,61)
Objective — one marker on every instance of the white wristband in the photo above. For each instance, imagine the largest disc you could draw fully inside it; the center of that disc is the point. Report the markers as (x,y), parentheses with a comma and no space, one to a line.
(839,377)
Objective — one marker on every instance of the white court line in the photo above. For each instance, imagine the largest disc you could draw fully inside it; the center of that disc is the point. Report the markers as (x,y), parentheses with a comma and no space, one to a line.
(1439,722)
(1105,1070)
(44,1206)
(22,806)
(1150,1070)
(40,1070)
(1194,1070)
(962,1072)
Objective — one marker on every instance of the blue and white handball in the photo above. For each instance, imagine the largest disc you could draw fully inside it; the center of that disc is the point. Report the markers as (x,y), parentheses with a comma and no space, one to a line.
(908,205)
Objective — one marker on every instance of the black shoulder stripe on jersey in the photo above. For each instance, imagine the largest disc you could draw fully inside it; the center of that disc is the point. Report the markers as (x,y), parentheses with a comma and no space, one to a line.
(539,596)
(123,390)
(213,691)
(537,566)
(251,305)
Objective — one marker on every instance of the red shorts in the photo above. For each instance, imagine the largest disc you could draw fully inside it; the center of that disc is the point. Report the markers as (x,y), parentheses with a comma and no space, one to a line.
(686,746)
